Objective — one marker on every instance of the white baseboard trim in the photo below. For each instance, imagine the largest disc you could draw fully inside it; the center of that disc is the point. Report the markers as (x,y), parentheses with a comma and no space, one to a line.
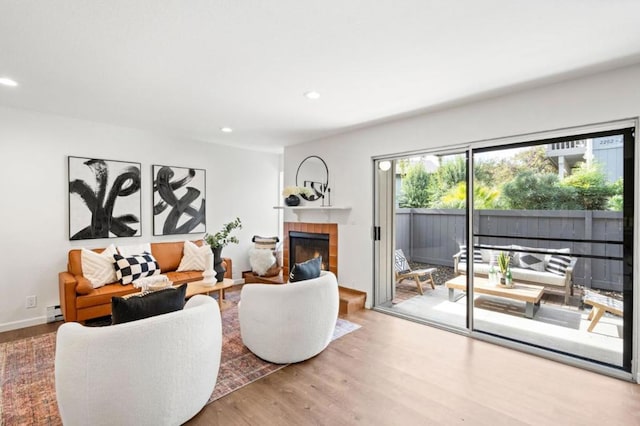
(8,326)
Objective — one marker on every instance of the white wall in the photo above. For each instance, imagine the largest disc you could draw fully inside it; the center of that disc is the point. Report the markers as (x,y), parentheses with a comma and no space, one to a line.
(34,235)
(598,98)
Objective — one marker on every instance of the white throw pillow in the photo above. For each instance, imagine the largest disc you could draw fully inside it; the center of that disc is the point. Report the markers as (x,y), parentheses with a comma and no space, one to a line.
(134,249)
(261,260)
(195,258)
(98,267)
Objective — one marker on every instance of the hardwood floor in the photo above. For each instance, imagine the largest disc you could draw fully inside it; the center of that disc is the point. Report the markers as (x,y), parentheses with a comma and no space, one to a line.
(396,372)
(393,371)
(23,333)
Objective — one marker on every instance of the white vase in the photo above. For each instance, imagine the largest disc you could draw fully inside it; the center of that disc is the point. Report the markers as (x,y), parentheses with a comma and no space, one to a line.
(209,275)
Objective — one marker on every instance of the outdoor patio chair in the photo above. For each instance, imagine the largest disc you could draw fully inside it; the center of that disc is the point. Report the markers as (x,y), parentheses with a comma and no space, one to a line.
(601,304)
(404,272)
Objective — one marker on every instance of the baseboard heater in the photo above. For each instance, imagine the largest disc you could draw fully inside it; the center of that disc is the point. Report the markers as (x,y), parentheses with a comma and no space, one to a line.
(54,313)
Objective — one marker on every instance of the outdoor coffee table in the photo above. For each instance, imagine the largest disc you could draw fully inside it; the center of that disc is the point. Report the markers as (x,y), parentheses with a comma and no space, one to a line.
(530,294)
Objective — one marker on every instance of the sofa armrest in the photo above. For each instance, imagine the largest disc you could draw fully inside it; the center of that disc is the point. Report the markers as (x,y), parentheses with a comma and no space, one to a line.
(568,280)
(456,260)
(67,289)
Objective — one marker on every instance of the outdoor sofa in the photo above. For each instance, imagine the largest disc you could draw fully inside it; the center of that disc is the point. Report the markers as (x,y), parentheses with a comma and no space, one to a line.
(551,268)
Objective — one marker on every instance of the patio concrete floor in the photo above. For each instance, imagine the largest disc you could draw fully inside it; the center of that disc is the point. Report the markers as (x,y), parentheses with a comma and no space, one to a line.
(554,326)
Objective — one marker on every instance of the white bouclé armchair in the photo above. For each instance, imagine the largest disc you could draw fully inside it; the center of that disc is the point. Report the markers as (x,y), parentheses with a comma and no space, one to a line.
(290,322)
(155,371)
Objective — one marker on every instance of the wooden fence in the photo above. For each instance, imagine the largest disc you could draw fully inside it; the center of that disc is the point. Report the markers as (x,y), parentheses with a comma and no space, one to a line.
(434,236)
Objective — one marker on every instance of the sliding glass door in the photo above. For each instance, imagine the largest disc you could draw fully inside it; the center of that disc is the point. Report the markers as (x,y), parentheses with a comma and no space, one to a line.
(425,206)
(551,214)
(528,243)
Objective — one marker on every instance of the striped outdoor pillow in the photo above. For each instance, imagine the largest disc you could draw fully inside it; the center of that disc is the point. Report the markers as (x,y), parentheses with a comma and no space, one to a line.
(558,264)
(477,255)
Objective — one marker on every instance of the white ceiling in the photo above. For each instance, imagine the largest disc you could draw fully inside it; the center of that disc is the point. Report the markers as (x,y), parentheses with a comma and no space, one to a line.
(188,68)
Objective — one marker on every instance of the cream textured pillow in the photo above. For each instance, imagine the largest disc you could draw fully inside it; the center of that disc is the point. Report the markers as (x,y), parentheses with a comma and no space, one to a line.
(194,258)
(98,267)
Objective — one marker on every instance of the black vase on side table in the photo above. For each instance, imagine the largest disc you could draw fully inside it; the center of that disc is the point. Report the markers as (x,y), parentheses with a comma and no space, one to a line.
(217,263)
(292,200)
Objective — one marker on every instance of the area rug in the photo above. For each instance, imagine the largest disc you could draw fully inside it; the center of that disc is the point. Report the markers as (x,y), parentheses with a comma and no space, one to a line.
(27,395)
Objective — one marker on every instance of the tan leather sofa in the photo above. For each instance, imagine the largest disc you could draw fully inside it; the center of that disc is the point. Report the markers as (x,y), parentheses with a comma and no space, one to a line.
(79,301)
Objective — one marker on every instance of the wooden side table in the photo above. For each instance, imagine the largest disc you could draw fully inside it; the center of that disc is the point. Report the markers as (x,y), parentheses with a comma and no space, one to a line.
(199,287)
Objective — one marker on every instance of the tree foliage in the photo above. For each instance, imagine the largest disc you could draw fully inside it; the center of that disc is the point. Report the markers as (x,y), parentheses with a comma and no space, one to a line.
(586,188)
(456,198)
(538,191)
(590,185)
(415,186)
(448,176)
(527,180)
(616,201)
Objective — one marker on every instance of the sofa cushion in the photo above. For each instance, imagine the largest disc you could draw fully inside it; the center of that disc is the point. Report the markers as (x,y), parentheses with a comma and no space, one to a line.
(537,277)
(528,275)
(183,277)
(83,285)
(169,254)
(306,270)
(146,305)
(131,268)
(103,295)
(195,258)
(478,268)
(134,249)
(488,251)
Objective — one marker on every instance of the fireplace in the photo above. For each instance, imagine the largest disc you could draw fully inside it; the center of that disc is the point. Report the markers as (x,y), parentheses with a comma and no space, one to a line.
(304,241)
(308,245)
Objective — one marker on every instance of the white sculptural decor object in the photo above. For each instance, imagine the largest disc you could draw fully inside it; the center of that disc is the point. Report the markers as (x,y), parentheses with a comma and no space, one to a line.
(209,275)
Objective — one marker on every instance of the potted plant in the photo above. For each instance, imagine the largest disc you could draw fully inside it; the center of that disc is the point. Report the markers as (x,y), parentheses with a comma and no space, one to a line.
(218,241)
(503,265)
(291,194)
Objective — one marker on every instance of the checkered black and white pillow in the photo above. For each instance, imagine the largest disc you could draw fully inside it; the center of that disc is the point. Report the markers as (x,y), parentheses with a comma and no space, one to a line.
(131,268)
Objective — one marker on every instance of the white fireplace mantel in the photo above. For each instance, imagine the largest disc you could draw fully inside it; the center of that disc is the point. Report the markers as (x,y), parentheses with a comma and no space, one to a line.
(311,209)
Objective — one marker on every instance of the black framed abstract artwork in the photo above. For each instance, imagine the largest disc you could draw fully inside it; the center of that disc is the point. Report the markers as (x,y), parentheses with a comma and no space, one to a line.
(178,200)
(104,198)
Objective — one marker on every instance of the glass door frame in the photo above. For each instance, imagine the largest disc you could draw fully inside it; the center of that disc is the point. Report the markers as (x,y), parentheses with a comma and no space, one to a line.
(384,234)
(631,160)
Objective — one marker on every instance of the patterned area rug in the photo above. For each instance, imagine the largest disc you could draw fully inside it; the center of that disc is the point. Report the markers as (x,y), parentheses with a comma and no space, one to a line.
(28,395)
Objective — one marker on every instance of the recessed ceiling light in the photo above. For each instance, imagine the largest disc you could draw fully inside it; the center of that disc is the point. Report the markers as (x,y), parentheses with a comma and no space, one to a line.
(313,95)
(8,82)
(226,129)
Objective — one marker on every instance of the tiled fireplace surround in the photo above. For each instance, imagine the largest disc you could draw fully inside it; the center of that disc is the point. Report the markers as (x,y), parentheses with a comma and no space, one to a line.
(330,229)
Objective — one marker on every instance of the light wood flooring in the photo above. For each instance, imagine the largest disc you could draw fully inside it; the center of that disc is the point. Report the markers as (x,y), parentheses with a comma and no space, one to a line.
(396,372)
